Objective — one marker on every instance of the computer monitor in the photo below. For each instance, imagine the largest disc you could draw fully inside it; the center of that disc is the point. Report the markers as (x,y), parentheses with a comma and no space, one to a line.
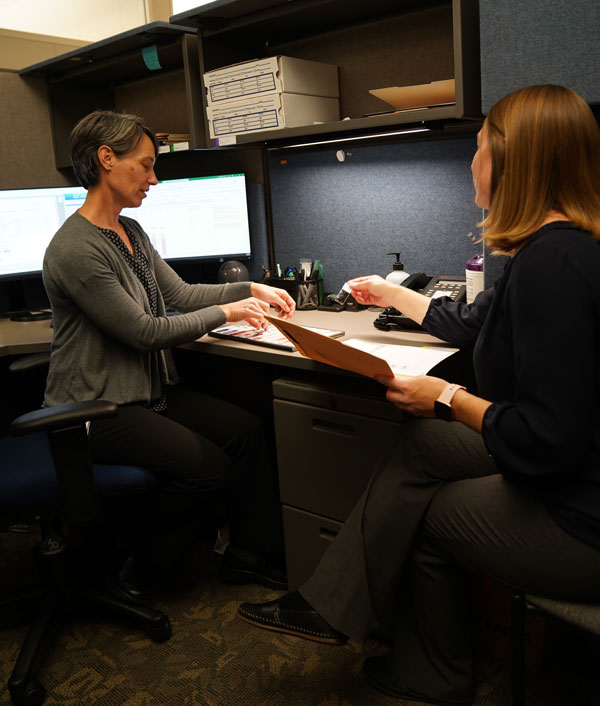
(196,217)
(28,220)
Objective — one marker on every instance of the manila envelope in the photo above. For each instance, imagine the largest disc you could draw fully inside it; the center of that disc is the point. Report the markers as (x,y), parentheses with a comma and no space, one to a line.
(421,96)
(332,352)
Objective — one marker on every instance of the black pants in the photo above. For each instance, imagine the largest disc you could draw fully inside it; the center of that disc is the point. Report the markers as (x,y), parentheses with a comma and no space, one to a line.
(212,464)
(436,511)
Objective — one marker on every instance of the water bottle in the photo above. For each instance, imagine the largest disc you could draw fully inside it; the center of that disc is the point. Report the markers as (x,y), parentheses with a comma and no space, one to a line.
(474,276)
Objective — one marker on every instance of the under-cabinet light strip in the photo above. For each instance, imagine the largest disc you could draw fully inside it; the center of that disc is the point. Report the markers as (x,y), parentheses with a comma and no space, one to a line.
(352,139)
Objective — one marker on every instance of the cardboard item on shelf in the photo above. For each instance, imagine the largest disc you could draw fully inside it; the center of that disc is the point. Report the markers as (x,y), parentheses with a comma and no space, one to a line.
(424,95)
(275,74)
(270,112)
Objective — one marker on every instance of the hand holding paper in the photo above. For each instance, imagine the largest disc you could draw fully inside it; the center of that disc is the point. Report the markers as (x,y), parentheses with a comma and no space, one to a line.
(328,350)
(363,357)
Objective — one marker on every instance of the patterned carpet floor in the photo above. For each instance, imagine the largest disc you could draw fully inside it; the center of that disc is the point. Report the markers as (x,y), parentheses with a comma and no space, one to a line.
(215,659)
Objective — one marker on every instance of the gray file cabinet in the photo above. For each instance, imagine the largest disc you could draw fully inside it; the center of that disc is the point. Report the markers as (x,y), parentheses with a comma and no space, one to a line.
(330,437)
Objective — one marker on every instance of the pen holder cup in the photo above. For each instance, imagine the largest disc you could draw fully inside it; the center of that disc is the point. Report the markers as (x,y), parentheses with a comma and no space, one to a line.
(306,294)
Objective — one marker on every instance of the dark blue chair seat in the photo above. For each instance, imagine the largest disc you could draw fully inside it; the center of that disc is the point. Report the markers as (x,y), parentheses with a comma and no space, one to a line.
(28,479)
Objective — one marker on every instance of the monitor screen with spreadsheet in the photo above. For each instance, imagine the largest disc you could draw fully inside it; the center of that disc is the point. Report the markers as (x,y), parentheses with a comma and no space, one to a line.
(28,220)
(198,217)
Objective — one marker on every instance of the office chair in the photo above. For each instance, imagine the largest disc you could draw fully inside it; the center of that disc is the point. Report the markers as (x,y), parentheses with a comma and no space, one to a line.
(46,468)
(583,615)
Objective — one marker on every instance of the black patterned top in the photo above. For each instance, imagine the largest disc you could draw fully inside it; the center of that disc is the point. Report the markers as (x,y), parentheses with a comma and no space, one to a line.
(140,267)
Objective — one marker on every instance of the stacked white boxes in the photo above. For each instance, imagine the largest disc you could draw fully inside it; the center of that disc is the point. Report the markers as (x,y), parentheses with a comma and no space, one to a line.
(270,94)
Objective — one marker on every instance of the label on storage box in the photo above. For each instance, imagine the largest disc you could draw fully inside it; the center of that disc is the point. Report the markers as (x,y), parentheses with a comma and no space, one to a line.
(262,83)
(252,118)
(275,74)
(270,112)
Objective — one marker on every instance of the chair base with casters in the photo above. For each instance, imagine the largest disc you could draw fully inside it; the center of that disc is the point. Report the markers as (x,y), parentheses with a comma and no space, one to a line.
(585,616)
(50,471)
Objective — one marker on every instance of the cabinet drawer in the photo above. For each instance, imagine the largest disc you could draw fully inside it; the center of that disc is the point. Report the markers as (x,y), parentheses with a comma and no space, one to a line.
(326,458)
(307,537)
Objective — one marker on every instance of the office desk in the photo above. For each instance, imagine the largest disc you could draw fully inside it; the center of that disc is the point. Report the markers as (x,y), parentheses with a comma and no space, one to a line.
(22,338)
(357,324)
(329,429)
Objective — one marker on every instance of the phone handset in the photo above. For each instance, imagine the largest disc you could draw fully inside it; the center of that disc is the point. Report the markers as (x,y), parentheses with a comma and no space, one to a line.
(438,286)
(417,281)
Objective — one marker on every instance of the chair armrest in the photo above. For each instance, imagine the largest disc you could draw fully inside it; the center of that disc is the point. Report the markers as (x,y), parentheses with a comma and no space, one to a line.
(62,416)
(29,362)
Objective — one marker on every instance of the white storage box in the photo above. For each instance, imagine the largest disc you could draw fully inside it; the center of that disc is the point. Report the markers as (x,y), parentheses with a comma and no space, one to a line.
(275,74)
(270,112)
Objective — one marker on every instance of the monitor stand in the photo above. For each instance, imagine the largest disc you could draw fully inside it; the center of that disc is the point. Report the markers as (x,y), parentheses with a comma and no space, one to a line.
(26,300)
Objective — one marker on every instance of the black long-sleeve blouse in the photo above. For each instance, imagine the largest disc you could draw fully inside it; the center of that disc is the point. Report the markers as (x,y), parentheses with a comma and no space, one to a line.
(536,337)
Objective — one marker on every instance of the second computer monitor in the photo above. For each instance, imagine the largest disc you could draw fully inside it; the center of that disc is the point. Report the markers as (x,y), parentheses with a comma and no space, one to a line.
(196,217)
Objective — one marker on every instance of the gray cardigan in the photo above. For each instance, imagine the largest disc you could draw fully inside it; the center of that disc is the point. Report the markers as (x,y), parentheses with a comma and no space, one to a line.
(106,343)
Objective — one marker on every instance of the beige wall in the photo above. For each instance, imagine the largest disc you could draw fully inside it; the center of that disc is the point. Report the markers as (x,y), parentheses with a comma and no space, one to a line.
(20,49)
(85,20)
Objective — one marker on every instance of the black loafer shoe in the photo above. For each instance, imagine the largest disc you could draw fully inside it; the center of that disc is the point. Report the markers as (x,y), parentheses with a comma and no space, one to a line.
(235,570)
(379,676)
(281,617)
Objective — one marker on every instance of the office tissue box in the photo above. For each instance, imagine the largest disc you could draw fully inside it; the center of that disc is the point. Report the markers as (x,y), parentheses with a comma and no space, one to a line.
(274,74)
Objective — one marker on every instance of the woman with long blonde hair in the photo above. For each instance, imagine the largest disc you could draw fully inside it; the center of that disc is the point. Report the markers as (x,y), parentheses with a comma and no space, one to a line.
(506,481)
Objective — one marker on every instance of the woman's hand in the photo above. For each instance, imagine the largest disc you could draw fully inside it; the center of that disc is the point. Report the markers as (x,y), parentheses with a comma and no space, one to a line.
(376,291)
(279,299)
(252,310)
(416,395)
(372,290)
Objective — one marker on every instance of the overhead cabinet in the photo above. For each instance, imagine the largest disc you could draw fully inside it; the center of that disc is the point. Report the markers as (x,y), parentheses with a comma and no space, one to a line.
(151,70)
(157,70)
(375,44)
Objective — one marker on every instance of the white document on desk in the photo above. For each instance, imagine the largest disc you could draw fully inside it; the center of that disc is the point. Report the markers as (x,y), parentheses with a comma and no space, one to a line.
(404,360)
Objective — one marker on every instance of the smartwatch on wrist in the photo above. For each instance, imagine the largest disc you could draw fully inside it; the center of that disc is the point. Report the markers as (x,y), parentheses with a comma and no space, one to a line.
(442,406)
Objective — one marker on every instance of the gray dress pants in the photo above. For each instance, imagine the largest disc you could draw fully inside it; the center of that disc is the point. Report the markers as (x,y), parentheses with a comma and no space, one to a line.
(434,512)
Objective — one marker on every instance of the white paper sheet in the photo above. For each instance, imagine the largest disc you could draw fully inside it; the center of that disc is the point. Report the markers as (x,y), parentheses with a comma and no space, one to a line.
(404,360)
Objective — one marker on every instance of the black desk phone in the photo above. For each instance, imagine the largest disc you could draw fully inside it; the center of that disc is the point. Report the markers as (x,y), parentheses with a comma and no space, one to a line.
(438,286)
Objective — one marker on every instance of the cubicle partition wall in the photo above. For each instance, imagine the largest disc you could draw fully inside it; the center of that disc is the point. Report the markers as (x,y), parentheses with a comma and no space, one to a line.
(539,41)
(412,197)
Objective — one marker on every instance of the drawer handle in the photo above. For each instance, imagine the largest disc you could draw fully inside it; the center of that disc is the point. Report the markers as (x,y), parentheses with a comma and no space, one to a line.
(332,427)
(327,534)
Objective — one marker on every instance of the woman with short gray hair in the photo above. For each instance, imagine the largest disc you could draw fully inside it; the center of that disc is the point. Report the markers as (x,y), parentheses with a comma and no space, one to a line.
(109,290)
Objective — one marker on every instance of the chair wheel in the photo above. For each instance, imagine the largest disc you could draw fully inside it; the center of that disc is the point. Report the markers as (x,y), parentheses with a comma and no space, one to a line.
(33,694)
(161,631)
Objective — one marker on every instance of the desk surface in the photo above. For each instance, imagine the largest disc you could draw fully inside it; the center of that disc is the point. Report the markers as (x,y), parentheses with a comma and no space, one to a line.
(355,324)
(20,338)
(23,337)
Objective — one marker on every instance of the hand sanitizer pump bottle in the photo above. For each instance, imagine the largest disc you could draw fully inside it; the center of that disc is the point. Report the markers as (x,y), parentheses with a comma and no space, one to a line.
(398,273)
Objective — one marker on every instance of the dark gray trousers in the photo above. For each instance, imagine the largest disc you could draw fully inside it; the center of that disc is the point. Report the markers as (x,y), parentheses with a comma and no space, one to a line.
(205,452)
(436,507)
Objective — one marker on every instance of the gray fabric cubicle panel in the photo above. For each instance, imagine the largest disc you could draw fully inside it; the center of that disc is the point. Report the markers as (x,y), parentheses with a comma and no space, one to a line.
(412,197)
(539,41)
(26,149)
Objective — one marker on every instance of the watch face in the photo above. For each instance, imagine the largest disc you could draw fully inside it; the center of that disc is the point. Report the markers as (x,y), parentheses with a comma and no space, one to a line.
(442,411)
